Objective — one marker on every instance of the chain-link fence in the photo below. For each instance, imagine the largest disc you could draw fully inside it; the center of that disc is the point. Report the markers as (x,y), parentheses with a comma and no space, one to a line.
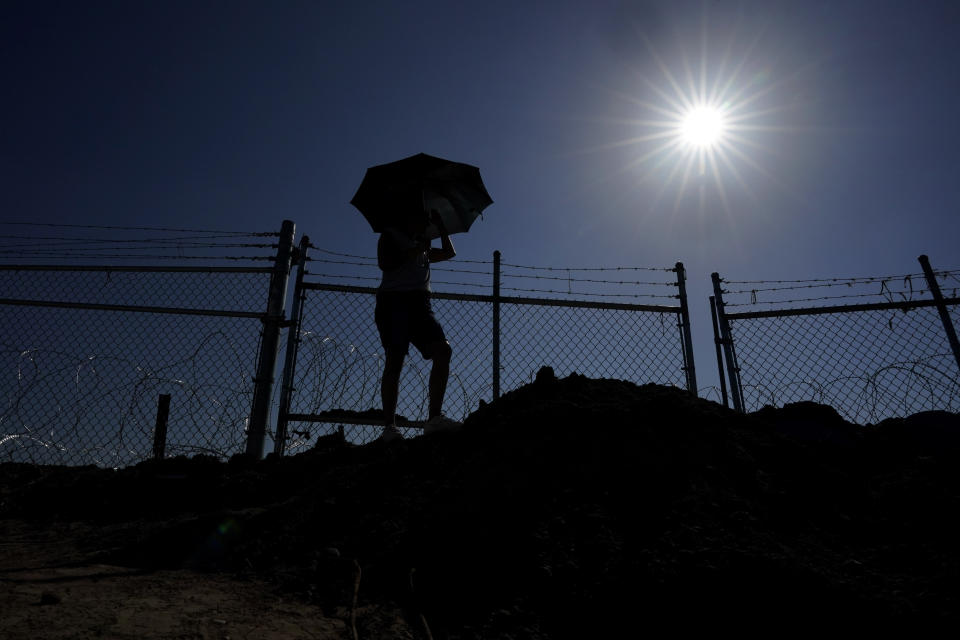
(85,358)
(86,352)
(499,343)
(889,355)
(609,341)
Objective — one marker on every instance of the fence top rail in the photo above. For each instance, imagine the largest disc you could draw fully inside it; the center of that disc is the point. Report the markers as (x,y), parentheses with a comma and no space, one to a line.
(102,268)
(880,306)
(545,302)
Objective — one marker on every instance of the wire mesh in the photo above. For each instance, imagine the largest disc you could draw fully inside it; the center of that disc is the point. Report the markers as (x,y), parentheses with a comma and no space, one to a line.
(868,365)
(872,347)
(340,358)
(80,386)
(639,346)
(199,288)
(340,362)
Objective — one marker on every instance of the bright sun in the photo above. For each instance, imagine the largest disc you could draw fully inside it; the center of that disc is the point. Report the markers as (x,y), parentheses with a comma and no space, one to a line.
(695,129)
(702,127)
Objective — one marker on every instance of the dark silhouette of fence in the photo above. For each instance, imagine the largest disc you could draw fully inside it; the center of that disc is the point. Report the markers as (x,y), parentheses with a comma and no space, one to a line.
(871,360)
(335,363)
(87,351)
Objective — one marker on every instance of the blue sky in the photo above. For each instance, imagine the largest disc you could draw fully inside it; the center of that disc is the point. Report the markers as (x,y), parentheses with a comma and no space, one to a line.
(237,115)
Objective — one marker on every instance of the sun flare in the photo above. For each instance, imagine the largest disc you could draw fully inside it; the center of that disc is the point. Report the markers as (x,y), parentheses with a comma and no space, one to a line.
(703,127)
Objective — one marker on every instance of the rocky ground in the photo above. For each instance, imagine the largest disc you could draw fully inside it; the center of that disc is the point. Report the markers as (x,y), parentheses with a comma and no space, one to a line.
(571,508)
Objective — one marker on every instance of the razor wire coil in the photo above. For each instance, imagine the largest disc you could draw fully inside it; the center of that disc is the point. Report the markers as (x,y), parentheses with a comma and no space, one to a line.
(80,385)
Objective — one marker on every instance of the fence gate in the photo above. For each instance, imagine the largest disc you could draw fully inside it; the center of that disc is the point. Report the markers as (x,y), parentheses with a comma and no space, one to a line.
(869,361)
(334,358)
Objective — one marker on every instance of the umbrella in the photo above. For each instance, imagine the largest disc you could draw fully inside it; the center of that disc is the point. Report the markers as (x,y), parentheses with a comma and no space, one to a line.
(408,187)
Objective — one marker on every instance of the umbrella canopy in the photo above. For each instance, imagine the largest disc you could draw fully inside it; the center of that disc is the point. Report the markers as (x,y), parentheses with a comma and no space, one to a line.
(392,193)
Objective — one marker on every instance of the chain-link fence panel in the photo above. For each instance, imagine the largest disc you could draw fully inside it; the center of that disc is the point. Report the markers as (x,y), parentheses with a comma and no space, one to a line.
(340,360)
(867,364)
(468,325)
(338,369)
(81,371)
(210,288)
(340,363)
(598,342)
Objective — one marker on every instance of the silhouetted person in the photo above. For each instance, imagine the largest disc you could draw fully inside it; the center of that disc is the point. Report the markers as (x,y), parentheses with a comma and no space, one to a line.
(404,316)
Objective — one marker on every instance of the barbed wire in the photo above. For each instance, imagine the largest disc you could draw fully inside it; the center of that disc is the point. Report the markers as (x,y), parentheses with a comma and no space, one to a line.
(857,279)
(433,267)
(70,245)
(948,275)
(337,253)
(514,289)
(506,264)
(568,279)
(908,281)
(587,293)
(10,249)
(886,292)
(466,261)
(478,285)
(378,279)
(346,262)
(888,296)
(521,266)
(509,275)
(69,240)
(341,276)
(374,260)
(470,271)
(124,228)
(67,255)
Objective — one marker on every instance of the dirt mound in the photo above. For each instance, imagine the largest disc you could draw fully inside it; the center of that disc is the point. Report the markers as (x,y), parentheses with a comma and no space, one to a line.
(567,508)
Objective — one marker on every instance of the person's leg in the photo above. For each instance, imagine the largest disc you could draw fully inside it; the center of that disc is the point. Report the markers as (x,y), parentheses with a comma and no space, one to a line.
(440,353)
(428,337)
(392,318)
(390,385)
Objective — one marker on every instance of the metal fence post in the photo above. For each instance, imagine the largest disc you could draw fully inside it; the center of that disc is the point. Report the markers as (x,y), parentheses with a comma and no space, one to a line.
(688,365)
(160,430)
(941,308)
(267,362)
(717,342)
(293,347)
(496,325)
(733,370)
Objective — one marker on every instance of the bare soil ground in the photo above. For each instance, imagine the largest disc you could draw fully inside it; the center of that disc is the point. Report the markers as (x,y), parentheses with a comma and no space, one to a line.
(571,508)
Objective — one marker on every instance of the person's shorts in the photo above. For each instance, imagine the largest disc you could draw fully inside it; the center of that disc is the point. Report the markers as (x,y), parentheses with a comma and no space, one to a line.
(405,317)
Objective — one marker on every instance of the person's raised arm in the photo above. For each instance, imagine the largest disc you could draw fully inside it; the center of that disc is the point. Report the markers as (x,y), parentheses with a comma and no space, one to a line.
(446,250)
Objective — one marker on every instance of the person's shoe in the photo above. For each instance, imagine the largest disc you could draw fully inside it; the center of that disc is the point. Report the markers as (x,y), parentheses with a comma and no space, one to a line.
(440,423)
(390,434)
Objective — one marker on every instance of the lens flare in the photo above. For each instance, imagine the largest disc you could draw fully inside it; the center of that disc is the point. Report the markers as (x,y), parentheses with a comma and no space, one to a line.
(703,127)
(706,129)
